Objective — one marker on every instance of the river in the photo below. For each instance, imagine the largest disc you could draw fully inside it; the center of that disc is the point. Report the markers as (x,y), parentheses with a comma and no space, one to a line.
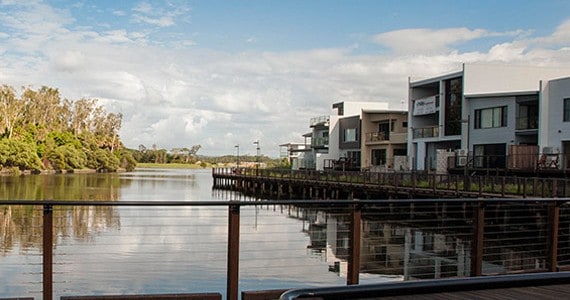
(132,250)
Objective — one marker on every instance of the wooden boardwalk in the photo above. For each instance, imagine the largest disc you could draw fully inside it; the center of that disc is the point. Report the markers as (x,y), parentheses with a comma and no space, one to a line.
(275,184)
(524,286)
(554,292)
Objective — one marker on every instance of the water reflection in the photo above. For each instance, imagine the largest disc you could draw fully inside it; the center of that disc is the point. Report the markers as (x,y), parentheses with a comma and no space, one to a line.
(128,250)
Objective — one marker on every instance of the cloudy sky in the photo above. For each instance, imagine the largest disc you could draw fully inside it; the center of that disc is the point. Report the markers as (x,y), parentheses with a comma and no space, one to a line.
(221,73)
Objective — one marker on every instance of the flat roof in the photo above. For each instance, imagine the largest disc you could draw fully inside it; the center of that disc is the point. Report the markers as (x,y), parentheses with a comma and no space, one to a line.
(379,111)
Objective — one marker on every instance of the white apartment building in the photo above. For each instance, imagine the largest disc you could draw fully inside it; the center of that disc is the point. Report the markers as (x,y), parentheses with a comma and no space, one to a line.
(487,110)
(337,136)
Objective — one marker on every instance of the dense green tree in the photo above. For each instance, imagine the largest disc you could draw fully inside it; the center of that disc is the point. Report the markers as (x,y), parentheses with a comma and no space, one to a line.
(127,160)
(64,134)
(19,154)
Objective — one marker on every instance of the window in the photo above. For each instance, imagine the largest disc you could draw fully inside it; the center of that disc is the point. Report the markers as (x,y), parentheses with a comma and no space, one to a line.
(378,157)
(566,110)
(405,124)
(491,117)
(489,155)
(453,104)
(350,135)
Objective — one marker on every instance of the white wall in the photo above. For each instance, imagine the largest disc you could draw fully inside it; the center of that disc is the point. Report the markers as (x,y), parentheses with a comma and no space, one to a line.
(355,108)
(552,128)
(489,79)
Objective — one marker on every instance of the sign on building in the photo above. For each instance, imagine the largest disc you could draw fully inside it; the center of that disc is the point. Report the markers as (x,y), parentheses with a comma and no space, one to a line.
(425,106)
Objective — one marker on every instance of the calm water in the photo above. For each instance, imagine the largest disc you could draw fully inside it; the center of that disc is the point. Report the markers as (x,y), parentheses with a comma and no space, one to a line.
(127,250)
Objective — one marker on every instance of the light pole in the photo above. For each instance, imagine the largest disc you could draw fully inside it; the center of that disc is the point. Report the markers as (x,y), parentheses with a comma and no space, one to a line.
(237,157)
(257,157)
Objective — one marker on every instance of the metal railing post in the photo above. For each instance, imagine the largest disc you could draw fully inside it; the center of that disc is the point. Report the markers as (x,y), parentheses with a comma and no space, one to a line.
(233,252)
(552,241)
(47,255)
(353,272)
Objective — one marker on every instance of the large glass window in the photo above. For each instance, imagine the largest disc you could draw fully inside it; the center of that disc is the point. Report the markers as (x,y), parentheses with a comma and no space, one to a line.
(384,130)
(491,117)
(527,117)
(567,110)
(350,135)
(378,157)
(453,98)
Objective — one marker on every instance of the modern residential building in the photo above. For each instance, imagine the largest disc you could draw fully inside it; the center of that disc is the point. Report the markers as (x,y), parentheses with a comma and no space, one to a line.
(384,146)
(336,138)
(486,114)
(295,153)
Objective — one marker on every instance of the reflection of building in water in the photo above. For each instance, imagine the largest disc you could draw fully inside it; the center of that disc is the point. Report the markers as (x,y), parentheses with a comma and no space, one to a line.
(317,230)
(437,245)
(432,255)
(389,249)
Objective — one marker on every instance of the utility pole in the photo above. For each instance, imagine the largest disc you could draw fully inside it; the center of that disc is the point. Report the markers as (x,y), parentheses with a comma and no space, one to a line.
(257,158)
(237,157)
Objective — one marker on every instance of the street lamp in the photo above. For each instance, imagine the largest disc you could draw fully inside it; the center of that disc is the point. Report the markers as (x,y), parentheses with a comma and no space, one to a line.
(257,157)
(237,157)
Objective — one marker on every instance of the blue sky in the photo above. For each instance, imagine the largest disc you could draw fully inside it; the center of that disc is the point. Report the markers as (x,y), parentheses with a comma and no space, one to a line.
(219,73)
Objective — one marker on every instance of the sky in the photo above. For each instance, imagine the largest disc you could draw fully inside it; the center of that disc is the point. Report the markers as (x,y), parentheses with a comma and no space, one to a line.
(225,73)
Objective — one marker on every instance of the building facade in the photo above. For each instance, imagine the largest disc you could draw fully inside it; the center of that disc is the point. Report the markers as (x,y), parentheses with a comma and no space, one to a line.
(384,142)
(482,113)
(336,138)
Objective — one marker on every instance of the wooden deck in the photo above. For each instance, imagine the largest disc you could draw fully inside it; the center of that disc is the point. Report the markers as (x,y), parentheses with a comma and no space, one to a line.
(525,286)
(280,184)
(554,292)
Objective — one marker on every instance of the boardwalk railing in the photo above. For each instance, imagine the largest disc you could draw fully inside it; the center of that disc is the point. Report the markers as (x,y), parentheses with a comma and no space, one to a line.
(401,184)
(356,241)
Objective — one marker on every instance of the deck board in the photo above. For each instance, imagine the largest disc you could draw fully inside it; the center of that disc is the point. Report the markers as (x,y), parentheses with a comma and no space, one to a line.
(554,292)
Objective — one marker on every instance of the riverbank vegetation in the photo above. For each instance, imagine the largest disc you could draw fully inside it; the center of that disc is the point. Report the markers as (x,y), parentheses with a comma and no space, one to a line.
(41,131)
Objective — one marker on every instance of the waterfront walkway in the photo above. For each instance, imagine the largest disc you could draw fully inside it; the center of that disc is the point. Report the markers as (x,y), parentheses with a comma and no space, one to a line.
(524,286)
(304,184)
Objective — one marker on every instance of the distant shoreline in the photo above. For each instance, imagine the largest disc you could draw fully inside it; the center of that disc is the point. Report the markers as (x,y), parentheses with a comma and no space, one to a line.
(170,166)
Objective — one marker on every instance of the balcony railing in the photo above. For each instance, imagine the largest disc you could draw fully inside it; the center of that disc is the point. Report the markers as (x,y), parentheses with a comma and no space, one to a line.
(321,120)
(425,132)
(435,238)
(545,162)
(395,138)
(320,142)
(378,136)
(527,123)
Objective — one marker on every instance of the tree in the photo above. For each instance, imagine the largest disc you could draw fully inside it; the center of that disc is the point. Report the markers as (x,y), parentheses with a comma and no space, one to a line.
(66,134)
(10,110)
(81,120)
(19,154)
(192,152)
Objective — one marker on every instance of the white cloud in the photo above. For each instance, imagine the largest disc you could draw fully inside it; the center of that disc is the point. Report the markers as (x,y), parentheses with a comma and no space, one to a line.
(68,61)
(143,7)
(158,16)
(163,21)
(119,13)
(430,41)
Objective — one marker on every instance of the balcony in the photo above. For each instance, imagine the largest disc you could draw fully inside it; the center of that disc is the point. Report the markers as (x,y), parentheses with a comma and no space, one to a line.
(527,123)
(320,143)
(377,136)
(319,121)
(425,132)
(387,137)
